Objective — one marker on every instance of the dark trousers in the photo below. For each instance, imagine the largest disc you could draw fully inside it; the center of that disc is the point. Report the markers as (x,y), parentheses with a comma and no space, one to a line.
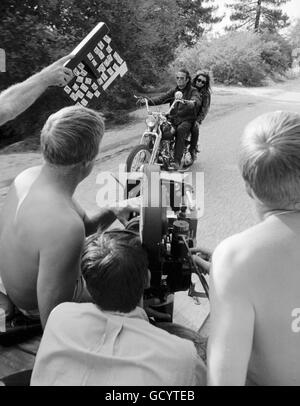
(194,136)
(182,131)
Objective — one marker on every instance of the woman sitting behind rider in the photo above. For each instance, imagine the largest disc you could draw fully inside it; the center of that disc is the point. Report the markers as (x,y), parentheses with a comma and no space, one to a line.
(202,83)
(183,114)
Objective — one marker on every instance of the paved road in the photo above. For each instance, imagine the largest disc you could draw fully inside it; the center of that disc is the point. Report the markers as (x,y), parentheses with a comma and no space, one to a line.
(227,208)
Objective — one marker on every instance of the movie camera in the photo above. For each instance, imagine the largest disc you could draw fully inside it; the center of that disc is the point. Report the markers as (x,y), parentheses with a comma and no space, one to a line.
(167,224)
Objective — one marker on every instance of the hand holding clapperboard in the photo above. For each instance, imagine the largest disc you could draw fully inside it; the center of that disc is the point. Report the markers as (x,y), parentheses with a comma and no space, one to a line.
(95,66)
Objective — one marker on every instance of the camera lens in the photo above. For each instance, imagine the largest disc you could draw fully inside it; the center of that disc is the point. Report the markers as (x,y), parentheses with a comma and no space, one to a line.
(180,227)
(178,248)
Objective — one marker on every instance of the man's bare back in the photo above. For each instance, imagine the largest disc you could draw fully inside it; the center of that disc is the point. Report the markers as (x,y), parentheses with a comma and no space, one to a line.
(42,231)
(255,276)
(34,216)
(256,281)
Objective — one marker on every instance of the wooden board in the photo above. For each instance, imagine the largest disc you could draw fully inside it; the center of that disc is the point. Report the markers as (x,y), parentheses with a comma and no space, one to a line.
(18,357)
(30,346)
(189,312)
(14,360)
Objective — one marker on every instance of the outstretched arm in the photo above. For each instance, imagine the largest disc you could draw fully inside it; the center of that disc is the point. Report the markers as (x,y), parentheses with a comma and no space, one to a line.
(17,98)
(107,216)
(232,319)
(195,101)
(164,98)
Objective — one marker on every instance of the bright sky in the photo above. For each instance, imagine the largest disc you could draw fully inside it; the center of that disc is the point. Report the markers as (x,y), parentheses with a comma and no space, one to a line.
(292,8)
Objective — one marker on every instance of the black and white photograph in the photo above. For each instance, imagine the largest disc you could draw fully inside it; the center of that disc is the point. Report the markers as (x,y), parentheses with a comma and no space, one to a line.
(149,195)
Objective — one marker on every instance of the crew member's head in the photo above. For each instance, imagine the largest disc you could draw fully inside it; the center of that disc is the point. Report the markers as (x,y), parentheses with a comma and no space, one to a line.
(270,159)
(70,138)
(115,267)
(202,80)
(182,78)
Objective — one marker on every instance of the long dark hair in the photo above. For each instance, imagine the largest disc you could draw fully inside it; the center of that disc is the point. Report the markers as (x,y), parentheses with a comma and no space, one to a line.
(207,77)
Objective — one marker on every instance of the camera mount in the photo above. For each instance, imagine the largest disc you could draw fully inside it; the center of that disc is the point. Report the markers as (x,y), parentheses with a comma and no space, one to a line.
(168,227)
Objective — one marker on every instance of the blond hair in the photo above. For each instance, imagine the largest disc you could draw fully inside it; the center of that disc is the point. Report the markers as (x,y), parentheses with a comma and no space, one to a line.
(270,158)
(72,136)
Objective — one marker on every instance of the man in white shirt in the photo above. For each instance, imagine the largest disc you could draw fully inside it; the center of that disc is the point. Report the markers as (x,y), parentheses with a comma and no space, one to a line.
(112,341)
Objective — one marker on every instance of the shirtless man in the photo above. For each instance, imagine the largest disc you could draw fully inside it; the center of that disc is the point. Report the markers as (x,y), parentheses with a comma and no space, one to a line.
(42,228)
(255,279)
(17,98)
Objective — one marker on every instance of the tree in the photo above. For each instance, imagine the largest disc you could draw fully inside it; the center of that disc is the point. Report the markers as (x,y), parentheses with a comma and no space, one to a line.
(245,57)
(193,17)
(146,32)
(276,53)
(294,35)
(258,15)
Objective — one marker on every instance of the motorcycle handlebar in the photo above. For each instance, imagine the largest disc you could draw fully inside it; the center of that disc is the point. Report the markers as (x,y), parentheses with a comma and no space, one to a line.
(140,98)
(183,101)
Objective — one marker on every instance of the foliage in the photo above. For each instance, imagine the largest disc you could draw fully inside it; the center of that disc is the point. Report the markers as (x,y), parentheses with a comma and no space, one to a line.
(258,15)
(146,32)
(34,33)
(30,45)
(294,35)
(192,18)
(237,57)
(276,53)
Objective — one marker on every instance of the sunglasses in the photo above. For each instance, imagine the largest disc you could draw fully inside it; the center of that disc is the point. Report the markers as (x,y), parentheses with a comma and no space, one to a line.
(180,77)
(201,81)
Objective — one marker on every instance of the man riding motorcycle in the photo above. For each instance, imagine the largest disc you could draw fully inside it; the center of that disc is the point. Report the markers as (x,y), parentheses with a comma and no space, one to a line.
(184,114)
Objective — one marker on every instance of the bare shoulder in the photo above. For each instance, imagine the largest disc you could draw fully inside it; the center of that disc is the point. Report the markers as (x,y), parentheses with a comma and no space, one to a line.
(28,176)
(243,246)
(236,260)
(231,250)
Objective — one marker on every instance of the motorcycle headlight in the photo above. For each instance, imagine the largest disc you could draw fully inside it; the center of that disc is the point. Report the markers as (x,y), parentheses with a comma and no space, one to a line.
(150,121)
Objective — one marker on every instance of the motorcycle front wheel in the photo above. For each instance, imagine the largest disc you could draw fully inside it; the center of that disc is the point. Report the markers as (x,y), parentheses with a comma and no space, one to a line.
(138,157)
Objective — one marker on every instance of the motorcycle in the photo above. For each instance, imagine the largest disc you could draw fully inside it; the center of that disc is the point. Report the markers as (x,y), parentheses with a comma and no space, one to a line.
(157,144)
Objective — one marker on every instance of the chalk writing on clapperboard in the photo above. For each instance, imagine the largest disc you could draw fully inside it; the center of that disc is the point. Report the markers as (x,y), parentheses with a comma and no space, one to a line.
(95,66)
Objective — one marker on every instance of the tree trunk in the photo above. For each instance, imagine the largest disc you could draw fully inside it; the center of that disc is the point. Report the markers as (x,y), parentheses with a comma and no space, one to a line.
(258,14)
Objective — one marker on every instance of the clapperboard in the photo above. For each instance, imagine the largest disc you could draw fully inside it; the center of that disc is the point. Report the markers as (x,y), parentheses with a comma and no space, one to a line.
(95,66)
